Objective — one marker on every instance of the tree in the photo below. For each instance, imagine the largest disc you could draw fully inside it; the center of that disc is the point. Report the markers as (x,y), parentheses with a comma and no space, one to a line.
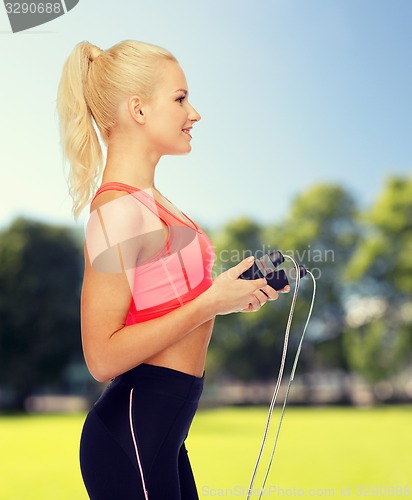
(40,278)
(320,232)
(378,340)
(383,257)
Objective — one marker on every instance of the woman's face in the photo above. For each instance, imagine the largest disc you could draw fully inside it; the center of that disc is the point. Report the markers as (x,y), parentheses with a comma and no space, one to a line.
(169,115)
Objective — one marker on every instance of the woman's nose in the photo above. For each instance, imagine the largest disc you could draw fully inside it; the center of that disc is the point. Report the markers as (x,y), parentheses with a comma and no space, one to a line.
(194,115)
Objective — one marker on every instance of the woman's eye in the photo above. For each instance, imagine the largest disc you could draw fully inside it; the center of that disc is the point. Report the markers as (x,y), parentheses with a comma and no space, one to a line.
(181,99)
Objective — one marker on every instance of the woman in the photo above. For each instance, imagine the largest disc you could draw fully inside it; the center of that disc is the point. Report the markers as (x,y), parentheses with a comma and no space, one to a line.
(148,301)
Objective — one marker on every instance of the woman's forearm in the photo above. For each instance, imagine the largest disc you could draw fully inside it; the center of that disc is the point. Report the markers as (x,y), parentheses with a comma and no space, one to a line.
(132,345)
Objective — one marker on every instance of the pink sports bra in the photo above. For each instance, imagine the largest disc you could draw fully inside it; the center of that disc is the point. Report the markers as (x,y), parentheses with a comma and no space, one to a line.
(179,272)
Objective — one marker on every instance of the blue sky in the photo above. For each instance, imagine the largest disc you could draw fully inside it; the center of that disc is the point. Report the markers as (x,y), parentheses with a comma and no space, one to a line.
(291,93)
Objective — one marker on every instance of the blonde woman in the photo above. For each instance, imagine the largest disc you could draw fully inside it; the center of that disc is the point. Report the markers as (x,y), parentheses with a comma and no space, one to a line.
(148,300)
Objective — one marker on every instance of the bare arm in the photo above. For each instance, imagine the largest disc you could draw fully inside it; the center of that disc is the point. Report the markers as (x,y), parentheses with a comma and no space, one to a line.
(111,348)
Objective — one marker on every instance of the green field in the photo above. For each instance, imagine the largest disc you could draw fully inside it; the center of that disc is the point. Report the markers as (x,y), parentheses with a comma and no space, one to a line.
(321,452)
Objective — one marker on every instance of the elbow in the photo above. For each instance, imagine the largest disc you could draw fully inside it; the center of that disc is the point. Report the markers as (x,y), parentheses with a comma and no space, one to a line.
(98,369)
(100,376)
(100,372)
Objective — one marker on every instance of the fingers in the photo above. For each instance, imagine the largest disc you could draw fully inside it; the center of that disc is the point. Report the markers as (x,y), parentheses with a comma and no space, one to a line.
(270,292)
(254,292)
(262,295)
(236,271)
(251,308)
(257,300)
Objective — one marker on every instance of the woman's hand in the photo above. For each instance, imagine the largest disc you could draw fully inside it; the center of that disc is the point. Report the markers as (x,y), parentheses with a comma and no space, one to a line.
(230,294)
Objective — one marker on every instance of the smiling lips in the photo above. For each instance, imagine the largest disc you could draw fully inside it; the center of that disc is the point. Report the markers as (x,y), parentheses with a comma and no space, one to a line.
(187,131)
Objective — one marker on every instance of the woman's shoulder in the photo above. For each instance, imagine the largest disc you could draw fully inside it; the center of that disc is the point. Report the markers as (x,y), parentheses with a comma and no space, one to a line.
(104,197)
(115,219)
(117,204)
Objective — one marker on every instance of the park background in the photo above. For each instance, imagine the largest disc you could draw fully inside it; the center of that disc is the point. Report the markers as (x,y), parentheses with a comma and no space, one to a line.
(304,145)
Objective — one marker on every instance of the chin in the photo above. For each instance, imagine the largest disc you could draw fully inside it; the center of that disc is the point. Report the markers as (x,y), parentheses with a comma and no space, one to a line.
(180,152)
(175,148)
(185,150)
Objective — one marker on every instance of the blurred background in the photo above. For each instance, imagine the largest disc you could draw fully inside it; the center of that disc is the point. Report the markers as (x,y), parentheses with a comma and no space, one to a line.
(304,146)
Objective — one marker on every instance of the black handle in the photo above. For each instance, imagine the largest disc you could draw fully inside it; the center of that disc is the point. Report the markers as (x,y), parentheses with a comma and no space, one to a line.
(265,268)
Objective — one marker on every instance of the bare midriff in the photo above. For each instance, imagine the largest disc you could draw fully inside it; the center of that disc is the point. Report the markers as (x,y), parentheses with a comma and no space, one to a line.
(189,354)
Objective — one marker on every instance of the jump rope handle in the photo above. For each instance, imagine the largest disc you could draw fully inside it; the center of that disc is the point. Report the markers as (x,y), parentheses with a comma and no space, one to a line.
(265,267)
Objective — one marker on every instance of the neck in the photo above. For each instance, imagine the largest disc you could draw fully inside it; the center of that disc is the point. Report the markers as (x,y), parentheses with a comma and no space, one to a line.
(129,161)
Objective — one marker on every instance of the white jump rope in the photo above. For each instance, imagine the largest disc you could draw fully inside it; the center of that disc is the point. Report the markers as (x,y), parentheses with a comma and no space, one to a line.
(279,379)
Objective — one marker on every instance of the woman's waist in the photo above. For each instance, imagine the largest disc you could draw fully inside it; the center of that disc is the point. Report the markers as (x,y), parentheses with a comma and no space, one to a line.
(188,355)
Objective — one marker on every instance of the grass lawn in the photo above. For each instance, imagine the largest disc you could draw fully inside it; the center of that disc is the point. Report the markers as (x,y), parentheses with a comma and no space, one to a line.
(321,452)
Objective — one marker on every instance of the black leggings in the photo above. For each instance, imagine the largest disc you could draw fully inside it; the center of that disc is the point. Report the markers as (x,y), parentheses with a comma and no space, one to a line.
(132,442)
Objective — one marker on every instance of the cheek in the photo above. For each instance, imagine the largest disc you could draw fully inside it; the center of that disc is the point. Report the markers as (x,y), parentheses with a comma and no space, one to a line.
(181,114)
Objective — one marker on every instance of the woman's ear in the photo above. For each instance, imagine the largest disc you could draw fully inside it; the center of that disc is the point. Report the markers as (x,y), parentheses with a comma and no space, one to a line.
(135,110)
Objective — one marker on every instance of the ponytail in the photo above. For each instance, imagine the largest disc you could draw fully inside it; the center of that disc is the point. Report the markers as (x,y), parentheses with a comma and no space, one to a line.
(78,135)
(93,82)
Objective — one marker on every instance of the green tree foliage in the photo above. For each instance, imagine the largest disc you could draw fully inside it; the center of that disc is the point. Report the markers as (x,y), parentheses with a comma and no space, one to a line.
(321,233)
(40,278)
(379,339)
(376,350)
(384,253)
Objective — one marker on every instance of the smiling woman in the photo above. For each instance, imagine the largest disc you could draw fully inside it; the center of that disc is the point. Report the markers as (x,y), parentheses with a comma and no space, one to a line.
(148,301)
(167,124)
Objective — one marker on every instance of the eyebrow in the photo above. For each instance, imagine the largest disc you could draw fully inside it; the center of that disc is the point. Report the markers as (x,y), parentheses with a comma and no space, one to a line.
(182,90)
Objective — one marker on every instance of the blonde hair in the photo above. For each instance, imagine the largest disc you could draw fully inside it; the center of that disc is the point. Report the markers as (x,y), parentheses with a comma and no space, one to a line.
(92,84)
